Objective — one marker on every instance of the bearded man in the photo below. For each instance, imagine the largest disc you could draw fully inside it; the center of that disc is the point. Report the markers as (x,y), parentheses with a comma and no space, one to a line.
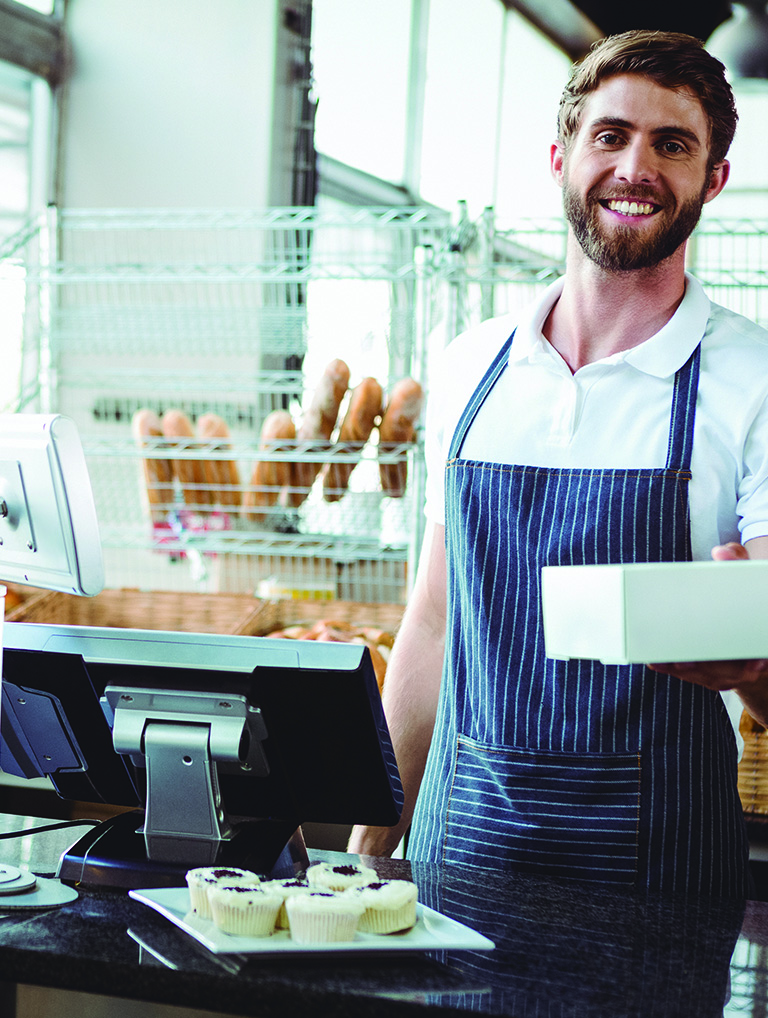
(622,418)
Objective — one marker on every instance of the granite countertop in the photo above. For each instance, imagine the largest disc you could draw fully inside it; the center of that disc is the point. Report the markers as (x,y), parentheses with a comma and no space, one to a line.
(562,949)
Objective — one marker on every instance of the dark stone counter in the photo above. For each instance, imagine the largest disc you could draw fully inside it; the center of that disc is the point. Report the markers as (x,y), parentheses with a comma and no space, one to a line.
(564,950)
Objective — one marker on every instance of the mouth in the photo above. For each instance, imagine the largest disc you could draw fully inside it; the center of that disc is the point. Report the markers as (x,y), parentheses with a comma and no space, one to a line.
(627,207)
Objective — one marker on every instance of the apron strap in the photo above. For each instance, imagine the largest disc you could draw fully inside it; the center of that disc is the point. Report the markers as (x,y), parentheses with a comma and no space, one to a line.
(489,378)
(683,414)
(680,445)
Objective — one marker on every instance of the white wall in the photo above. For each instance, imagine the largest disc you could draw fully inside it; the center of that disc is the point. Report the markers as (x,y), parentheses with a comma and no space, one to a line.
(746,193)
(170,103)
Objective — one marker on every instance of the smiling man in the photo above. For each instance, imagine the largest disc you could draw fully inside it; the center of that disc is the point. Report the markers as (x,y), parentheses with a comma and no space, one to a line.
(621,418)
(658,178)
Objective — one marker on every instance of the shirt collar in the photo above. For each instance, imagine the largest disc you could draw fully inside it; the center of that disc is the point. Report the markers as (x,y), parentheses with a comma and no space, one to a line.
(661,355)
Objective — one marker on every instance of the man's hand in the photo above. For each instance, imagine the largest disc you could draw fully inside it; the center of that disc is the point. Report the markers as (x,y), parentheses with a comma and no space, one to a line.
(717,675)
(729,552)
(747,677)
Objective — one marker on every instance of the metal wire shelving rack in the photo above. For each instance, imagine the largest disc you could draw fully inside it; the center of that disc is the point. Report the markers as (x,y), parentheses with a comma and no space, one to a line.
(236,312)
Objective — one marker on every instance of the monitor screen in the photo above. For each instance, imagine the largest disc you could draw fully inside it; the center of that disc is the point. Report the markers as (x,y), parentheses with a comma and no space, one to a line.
(225,744)
(49,535)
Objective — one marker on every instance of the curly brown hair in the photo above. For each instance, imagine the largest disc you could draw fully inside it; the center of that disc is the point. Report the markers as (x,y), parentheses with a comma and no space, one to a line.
(671,59)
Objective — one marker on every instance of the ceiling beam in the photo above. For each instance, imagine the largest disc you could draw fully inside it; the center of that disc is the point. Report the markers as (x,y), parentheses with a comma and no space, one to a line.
(561,21)
(33,41)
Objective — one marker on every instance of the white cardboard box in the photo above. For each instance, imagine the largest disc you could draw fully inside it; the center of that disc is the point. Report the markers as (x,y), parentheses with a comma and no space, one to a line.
(656,612)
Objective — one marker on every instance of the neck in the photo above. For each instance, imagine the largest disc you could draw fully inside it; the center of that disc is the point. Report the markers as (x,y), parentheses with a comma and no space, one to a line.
(600,313)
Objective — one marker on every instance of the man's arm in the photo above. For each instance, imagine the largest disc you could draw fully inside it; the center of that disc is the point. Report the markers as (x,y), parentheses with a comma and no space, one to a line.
(411,688)
(748,678)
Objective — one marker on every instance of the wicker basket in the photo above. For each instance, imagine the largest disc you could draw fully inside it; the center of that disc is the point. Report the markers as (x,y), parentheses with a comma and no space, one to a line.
(137,609)
(278,614)
(197,613)
(753,767)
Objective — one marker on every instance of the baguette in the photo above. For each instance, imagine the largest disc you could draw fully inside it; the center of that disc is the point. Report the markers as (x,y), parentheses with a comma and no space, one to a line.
(270,479)
(222,475)
(157,473)
(398,425)
(359,420)
(190,472)
(319,422)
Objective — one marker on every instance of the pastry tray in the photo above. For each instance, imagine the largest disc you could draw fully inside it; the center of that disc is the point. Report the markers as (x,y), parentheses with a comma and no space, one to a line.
(432,931)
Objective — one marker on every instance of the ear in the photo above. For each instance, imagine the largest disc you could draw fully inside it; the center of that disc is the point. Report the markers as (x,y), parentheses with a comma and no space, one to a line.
(717,179)
(557,161)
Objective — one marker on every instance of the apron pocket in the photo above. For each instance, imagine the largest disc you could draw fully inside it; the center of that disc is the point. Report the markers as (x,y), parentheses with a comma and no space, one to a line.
(561,814)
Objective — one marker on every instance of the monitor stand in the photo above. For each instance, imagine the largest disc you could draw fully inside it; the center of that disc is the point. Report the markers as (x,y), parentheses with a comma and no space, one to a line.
(114,854)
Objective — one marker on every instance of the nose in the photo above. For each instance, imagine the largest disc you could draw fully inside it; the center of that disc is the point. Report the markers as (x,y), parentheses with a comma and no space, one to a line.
(637,162)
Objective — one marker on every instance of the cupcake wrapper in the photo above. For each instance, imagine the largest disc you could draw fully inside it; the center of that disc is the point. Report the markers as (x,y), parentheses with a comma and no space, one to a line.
(253,921)
(379,920)
(198,899)
(321,929)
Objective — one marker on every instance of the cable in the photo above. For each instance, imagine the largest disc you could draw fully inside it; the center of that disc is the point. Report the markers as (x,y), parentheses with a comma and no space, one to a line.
(49,827)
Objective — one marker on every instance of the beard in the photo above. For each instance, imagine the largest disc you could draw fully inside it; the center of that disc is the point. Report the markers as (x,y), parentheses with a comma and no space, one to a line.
(625,249)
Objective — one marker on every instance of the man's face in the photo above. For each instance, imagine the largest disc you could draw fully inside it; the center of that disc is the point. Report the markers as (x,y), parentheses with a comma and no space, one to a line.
(635,175)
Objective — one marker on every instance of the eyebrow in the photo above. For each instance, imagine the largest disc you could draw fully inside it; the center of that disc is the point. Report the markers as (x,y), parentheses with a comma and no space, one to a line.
(672,129)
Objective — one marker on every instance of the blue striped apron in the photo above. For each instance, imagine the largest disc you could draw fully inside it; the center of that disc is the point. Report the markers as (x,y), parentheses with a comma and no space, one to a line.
(572,768)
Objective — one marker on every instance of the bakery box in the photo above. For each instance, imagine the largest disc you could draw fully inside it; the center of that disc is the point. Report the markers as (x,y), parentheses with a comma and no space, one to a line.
(656,612)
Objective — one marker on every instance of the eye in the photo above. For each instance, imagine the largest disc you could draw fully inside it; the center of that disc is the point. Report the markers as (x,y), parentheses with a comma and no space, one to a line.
(672,148)
(609,139)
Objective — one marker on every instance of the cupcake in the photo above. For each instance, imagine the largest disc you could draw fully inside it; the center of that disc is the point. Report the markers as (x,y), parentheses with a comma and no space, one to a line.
(244,911)
(327,877)
(390,906)
(200,880)
(323,917)
(286,889)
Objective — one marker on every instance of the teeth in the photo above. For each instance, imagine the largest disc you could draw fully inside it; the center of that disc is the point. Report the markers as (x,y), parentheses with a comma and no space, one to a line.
(630,208)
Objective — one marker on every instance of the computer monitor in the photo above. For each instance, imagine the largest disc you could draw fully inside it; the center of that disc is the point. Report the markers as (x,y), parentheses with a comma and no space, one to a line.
(49,534)
(223,745)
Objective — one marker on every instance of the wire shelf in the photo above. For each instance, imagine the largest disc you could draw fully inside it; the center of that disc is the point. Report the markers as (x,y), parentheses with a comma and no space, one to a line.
(237,312)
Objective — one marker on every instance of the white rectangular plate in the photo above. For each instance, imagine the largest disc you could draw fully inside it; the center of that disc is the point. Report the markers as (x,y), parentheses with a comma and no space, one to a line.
(432,931)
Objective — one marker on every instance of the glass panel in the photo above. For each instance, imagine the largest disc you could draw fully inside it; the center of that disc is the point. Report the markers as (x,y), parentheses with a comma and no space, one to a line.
(360,64)
(22,193)
(43,6)
(462,96)
(15,99)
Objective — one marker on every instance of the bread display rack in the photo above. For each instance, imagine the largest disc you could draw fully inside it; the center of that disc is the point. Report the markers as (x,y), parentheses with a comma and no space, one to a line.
(225,319)
(229,319)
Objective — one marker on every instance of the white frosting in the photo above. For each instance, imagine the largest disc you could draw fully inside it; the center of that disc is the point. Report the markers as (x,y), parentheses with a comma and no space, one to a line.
(389,894)
(340,876)
(211,875)
(243,896)
(325,902)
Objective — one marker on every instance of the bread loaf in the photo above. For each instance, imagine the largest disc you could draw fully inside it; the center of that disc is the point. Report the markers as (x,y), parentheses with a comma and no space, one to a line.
(363,410)
(157,473)
(398,425)
(190,472)
(222,475)
(271,479)
(319,423)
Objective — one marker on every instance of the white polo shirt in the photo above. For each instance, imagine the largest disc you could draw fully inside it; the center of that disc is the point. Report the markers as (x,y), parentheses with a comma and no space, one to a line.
(615,412)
